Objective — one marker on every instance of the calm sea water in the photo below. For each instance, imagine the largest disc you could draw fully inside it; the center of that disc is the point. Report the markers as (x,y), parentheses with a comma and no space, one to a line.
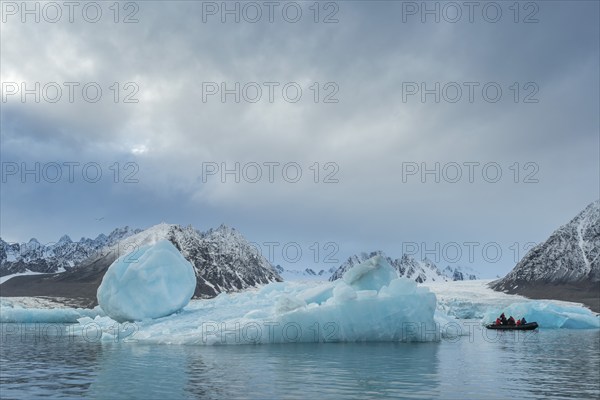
(546,364)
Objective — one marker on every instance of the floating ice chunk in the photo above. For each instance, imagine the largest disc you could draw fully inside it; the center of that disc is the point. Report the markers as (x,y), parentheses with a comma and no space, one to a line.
(45,315)
(256,314)
(318,294)
(287,303)
(400,287)
(373,274)
(158,283)
(443,319)
(274,287)
(343,293)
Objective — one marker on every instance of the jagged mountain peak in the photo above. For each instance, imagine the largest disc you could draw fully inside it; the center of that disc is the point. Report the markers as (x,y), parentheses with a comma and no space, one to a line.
(566,266)
(407,266)
(56,256)
(571,254)
(65,239)
(223,231)
(460,273)
(122,232)
(223,259)
(306,274)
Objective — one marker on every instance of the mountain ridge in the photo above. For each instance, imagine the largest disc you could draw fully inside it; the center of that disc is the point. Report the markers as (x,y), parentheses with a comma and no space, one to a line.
(55,256)
(407,266)
(566,265)
(222,258)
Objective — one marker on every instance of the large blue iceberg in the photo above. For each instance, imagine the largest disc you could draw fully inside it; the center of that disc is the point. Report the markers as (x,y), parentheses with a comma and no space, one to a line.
(155,283)
(370,304)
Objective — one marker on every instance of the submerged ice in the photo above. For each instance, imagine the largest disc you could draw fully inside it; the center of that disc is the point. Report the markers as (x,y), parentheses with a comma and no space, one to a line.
(154,281)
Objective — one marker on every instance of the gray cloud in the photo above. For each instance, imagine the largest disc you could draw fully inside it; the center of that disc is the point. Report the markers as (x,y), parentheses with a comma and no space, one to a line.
(369,133)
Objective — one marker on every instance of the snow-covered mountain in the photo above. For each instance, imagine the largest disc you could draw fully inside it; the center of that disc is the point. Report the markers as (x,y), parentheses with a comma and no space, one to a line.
(307,274)
(222,258)
(59,256)
(224,261)
(460,273)
(407,266)
(571,254)
(569,258)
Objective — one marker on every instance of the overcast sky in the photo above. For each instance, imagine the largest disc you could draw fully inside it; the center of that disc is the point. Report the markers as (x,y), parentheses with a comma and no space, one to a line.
(369,113)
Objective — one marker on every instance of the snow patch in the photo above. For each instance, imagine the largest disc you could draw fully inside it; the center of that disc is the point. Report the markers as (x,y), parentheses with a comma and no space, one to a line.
(7,277)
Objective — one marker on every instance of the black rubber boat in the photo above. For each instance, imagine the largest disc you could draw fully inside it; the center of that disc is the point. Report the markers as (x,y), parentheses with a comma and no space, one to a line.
(525,327)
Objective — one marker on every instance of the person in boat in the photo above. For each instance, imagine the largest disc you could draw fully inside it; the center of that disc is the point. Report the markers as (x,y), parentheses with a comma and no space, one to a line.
(502,319)
(511,320)
(523,321)
(518,322)
(498,322)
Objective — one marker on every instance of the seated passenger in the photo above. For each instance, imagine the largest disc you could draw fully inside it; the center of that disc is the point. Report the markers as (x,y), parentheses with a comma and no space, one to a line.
(502,319)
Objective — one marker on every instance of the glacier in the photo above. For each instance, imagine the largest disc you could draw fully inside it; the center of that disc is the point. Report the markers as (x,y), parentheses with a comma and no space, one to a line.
(154,281)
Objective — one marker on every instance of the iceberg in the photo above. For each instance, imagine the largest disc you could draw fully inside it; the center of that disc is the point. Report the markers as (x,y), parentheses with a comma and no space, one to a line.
(372,304)
(369,304)
(10,313)
(157,282)
(370,275)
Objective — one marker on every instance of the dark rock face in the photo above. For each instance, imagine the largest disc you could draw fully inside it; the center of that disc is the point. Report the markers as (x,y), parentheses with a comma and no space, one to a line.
(567,262)
(222,258)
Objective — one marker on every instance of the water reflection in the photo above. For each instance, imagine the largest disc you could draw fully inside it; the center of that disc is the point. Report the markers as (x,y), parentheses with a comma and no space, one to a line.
(555,363)
(127,370)
(323,370)
(34,362)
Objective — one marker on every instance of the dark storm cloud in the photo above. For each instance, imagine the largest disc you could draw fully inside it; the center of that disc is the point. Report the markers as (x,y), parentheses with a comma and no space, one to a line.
(368,134)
